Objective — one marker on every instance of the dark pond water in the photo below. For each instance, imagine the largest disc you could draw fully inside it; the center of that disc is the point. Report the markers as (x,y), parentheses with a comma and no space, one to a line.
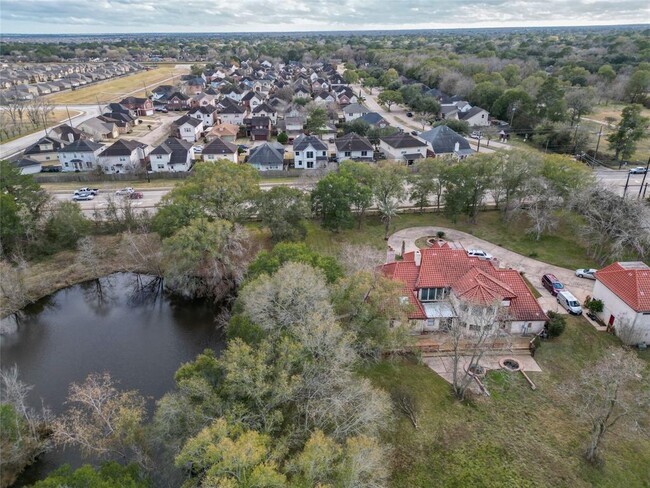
(141,338)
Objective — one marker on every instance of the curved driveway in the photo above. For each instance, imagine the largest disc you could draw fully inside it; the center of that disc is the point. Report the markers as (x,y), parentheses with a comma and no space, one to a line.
(533,269)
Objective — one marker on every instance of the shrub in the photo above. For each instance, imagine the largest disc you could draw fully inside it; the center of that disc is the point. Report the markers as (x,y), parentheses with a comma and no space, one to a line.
(595,306)
(440,234)
(283,138)
(556,324)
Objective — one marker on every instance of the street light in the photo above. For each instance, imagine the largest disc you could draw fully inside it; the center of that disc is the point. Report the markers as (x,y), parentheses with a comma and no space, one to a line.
(647,166)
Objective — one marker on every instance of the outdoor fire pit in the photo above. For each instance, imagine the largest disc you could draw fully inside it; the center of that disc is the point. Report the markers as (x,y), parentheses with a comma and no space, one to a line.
(510,364)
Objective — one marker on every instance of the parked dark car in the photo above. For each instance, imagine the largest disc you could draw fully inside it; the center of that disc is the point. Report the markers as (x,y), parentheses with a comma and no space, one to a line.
(136,195)
(552,284)
(409,114)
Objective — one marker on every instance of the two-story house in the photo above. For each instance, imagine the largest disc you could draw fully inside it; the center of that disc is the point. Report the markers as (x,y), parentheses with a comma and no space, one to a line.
(309,152)
(206,113)
(354,111)
(188,128)
(123,157)
(267,157)
(231,113)
(353,147)
(45,150)
(265,110)
(220,149)
(80,155)
(403,147)
(173,155)
(437,279)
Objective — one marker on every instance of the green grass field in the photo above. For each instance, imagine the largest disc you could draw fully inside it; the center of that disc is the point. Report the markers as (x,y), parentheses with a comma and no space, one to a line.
(515,438)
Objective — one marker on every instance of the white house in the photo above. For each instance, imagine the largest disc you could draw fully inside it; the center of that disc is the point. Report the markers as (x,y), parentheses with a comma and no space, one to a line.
(232,114)
(403,147)
(309,152)
(265,110)
(122,156)
(28,166)
(173,155)
(624,288)
(220,149)
(206,113)
(81,155)
(188,128)
(355,147)
(476,117)
(268,156)
(354,111)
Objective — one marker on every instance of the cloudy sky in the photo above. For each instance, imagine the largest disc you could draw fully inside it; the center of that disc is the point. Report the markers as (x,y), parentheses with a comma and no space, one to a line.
(108,16)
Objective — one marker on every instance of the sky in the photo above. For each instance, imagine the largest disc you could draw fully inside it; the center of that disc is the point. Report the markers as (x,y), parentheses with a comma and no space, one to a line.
(132,16)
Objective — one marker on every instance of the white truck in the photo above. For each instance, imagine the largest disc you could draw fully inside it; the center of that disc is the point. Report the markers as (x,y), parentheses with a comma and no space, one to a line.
(84,190)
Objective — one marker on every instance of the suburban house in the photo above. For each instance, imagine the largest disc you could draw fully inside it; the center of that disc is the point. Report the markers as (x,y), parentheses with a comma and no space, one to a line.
(624,288)
(374,120)
(260,128)
(443,140)
(231,113)
(99,129)
(81,155)
(403,147)
(141,106)
(177,101)
(28,166)
(205,113)
(476,117)
(188,128)
(354,111)
(172,155)
(268,156)
(354,147)
(227,132)
(66,133)
(436,279)
(123,156)
(45,150)
(220,149)
(309,152)
(292,125)
(265,110)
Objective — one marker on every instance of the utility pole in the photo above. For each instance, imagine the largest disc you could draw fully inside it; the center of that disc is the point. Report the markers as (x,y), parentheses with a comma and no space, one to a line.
(575,140)
(600,133)
(627,182)
(69,118)
(478,147)
(647,166)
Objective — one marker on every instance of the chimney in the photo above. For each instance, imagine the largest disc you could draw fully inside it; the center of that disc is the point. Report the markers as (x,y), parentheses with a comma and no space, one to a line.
(418,258)
(456,147)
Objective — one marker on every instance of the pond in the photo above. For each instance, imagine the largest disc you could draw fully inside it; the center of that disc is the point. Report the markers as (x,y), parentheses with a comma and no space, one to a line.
(121,324)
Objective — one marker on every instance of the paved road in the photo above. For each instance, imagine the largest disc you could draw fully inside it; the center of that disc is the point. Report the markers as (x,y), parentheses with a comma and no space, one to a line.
(533,268)
(11,148)
(616,179)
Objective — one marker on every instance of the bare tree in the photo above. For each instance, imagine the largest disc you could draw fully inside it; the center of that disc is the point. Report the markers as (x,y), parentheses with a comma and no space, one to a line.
(13,291)
(540,205)
(355,258)
(612,392)
(407,404)
(34,112)
(103,421)
(15,109)
(476,329)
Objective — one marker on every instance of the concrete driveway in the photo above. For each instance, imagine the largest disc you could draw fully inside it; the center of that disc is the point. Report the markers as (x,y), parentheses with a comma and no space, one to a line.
(533,269)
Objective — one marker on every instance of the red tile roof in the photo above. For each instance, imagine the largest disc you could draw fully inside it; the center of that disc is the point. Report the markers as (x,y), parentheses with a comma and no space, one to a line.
(470,278)
(629,281)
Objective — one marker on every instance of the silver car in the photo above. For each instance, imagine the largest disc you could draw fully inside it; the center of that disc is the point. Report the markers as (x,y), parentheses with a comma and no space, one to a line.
(586,273)
(83,196)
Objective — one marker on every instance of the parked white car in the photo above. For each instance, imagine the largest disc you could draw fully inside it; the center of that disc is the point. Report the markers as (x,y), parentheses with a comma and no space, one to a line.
(588,273)
(78,197)
(479,253)
(125,191)
(569,302)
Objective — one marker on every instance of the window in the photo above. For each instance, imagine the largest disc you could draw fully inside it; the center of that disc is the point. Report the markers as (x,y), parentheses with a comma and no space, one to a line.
(433,294)
(364,153)
(89,164)
(310,164)
(158,156)
(324,153)
(161,166)
(348,154)
(187,129)
(67,165)
(309,154)
(297,154)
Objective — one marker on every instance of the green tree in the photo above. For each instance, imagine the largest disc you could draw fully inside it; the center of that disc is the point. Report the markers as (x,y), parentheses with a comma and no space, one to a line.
(270,261)
(197,69)
(516,105)
(388,191)
(389,98)
(283,138)
(316,120)
(426,107)
(109,475)
(390,76)
(283,210)
(629,130)
(357,126)
(425,182)
(220,190)
(580,102)
(466,184)
(225,454)
(485,94)
(459,126)
(364,176)
(550,100)
(638,86)
(370,82)
(332,201)
(65,225)
(350,76)
(607,73)
(205,258)
(565,175)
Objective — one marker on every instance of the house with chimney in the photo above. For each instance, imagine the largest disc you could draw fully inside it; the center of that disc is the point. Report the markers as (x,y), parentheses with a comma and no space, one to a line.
(187,128)
(437,279)
(80,155)
(123,157)
(444,140)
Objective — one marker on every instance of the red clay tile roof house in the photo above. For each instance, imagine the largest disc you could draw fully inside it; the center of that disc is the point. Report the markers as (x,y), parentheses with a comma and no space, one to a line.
(624,288)
(433,276)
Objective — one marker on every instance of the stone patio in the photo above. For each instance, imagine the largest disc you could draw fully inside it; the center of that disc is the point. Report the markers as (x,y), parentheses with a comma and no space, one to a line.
(444,365)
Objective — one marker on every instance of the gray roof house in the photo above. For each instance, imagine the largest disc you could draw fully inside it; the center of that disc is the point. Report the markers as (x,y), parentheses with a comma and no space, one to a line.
(354,147)
(443,140)
(267,156)
(172,155)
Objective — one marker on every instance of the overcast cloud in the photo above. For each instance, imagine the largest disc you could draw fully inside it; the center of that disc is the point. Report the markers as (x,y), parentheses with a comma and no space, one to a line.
(106,16)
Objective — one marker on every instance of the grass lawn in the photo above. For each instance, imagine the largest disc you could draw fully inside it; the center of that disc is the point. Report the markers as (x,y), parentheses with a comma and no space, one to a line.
(116,89)
(562,248)
(515,438)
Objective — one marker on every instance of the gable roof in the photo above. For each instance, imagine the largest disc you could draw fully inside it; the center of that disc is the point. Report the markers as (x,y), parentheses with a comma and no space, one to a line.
(219,146)
(355,108)
(402,139)
(443,140)
(472,112)
(267,153)
(373,118)
(304,141)
(353,142)
(264,107)
(81,145)
(123,148)
(177,148)
(186,119)
(35,149)
(630,281)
